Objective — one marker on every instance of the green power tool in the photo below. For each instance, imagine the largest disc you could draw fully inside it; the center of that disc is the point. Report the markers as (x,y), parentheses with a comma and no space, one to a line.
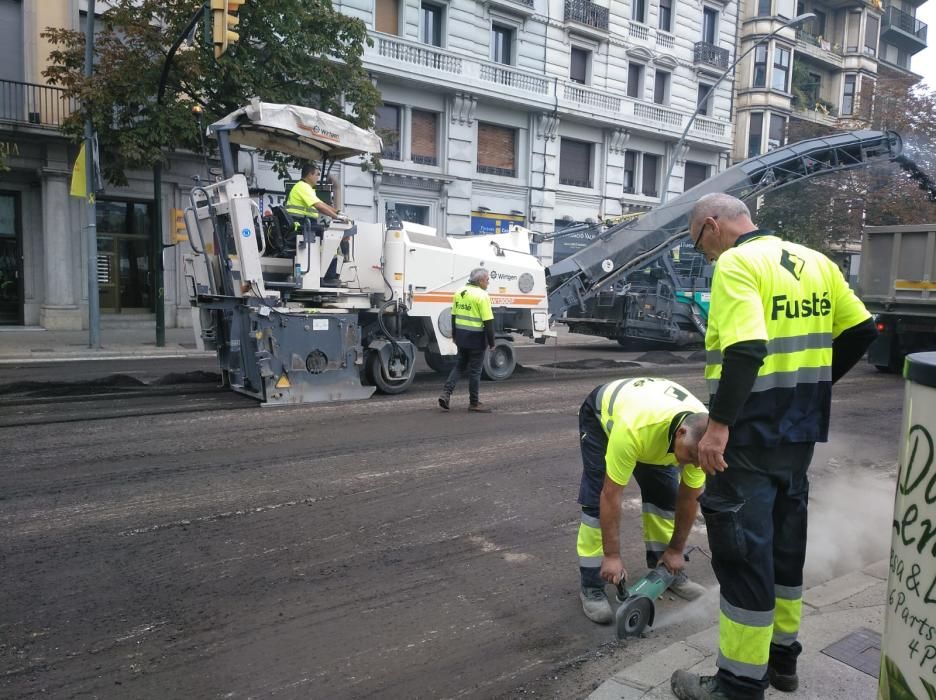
(636,611)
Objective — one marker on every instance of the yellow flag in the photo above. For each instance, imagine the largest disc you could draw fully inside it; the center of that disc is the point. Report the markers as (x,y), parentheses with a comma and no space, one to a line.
(79,183)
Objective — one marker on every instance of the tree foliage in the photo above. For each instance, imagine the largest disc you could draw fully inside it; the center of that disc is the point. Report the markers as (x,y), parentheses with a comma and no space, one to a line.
(828,210)
(300,52)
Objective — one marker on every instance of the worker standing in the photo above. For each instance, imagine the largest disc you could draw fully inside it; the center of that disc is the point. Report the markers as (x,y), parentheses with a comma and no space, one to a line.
(783,327)
(472,331)
(644,427)
(303,203)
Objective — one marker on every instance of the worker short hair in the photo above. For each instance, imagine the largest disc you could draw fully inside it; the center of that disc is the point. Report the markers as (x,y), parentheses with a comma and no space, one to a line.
(478,274)
(308,169)
(718,205)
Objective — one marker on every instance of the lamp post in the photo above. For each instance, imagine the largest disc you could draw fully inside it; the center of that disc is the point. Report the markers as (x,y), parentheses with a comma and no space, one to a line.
(796,21)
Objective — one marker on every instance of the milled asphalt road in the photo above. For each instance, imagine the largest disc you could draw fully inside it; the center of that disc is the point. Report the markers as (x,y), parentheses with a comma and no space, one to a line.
(179,541)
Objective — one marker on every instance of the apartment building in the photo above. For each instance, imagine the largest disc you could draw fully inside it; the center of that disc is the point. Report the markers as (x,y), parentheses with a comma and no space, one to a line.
(540,111)
(822,72)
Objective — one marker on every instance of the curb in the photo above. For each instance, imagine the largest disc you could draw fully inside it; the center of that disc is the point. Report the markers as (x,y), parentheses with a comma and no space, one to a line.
(649,678)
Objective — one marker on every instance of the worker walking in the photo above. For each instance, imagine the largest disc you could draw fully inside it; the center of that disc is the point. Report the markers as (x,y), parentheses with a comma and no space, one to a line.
(644,427)
(783,327)
(303,203)
(473,331)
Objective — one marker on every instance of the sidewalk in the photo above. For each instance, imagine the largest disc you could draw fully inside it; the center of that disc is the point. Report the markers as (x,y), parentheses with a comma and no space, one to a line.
(831,612)
(33,344)
(30,344)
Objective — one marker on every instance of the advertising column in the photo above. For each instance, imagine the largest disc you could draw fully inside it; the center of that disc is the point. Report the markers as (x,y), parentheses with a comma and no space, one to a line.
(908,648)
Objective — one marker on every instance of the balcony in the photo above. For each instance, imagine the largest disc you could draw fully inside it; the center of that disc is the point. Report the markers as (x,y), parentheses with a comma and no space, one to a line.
(818,48)
(710,56)
(903,30)
(523,8)
(587,13)
(41,106)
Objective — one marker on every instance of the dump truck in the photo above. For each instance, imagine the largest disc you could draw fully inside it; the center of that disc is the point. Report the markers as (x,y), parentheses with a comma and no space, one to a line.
(897,282)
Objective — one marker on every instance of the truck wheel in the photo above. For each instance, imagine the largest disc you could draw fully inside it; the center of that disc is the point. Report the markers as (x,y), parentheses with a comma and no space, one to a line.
(439,363)
(500,362)
(385,384)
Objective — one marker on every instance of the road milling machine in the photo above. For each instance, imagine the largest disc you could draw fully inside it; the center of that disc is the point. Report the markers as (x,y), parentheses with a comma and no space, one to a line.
(284,337)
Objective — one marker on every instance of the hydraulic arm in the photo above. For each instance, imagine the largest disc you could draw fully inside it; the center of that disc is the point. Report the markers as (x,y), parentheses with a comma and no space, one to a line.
(639,242)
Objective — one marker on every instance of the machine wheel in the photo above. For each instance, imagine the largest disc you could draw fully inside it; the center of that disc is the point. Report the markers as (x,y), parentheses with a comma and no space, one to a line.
(384,384)
(500,362)
(439,363)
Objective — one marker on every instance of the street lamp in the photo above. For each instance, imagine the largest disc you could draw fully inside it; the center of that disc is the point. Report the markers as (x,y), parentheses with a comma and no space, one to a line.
(796,21)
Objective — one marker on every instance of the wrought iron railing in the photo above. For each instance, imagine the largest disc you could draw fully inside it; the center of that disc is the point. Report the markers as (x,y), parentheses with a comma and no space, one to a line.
(43,106)
(586,12)
(905,22)
(711,55)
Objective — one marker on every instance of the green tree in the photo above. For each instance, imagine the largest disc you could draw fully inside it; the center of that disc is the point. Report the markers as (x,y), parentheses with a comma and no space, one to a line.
(300,52)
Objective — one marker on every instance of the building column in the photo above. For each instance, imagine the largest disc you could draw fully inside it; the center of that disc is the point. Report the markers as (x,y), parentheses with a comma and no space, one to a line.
(59,310)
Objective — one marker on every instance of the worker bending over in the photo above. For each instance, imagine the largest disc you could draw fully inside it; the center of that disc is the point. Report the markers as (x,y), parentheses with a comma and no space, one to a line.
(644,427)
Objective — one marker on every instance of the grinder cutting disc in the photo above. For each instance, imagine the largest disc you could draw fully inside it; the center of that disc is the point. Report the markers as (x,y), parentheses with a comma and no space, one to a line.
(633,616)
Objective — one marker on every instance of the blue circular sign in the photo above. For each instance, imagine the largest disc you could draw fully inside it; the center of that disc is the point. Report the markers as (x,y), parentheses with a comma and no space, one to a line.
(246,233)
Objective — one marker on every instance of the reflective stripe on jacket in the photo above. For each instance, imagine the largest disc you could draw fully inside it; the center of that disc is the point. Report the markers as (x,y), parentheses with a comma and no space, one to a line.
(471,307)
(302,200)
(796,300)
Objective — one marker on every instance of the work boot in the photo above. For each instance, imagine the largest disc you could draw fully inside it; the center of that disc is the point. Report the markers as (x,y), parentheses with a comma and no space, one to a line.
(781,667)
(444,401)
(596,606)
(686,589)
(479,408)
(689,686)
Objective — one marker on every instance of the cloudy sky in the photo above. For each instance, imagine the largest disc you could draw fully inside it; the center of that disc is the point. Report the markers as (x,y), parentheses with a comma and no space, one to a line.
(924,62)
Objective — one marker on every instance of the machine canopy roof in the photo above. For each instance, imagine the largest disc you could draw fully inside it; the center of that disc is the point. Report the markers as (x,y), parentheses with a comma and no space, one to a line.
(302,132)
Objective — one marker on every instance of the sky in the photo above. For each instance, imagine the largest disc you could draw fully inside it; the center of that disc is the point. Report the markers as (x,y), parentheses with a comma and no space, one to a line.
(924,62)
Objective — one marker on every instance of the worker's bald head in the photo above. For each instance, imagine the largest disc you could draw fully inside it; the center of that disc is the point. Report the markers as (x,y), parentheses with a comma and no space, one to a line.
(715,222)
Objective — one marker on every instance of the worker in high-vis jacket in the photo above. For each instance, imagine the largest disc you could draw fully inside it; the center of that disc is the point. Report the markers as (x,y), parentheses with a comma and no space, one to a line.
(303,203)
(473,332)
(643,427)
(784,326)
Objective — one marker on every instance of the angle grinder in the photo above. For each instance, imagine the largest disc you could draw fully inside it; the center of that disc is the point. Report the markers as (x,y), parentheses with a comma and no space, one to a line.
(637,610)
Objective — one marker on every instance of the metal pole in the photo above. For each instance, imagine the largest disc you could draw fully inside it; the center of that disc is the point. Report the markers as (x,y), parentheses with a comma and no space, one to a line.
(160,284)
(94,306)
(799,19)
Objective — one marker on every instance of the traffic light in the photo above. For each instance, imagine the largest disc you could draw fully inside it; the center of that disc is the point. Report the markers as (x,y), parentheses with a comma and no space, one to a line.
(223,20)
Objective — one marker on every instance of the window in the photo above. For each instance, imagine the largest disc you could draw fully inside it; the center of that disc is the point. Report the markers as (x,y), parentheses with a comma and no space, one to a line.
(755,134)
(760,66)
(763,8)
(651,167)
(848,94)
(872,29)
(575,163)
(634,80)
(387,125)
(709,25)
(666,16)
(704,99)
(502,44)
(661,87)
(852,31)
(424,137)
(781,69)
(777,135)
(639,10)
(786,8)
(696,173)
(630,172)
(430,24)
(415,213)
(819,22)
(497,150)
(387,16)
(578,65)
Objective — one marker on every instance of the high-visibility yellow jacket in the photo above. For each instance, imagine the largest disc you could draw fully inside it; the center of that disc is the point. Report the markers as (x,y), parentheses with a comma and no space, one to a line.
(796,300)
(471,308)
(640,417)
(302,200)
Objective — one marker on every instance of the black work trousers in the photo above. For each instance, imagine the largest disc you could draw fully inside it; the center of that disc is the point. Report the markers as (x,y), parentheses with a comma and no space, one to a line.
(472,361)
(755,513)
